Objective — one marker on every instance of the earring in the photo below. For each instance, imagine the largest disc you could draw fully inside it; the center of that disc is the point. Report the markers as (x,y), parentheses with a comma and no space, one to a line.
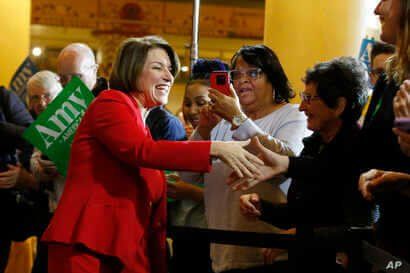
(274,95)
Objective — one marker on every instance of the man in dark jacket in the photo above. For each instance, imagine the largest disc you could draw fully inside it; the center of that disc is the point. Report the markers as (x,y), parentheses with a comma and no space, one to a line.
(14,118)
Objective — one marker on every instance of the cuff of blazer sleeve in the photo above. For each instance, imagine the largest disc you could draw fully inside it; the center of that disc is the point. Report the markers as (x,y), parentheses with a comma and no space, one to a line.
(209,162)
(247,130)
(202,156)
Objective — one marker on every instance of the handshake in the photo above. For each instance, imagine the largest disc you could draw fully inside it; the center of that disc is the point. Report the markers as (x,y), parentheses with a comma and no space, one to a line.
(251,162)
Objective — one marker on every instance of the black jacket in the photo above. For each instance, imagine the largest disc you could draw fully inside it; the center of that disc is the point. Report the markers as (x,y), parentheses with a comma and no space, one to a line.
(379,149)
(323,193)
(14,119)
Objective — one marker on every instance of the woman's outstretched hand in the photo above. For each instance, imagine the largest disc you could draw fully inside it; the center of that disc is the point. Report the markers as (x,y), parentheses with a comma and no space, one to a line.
(235,156)
(275,164)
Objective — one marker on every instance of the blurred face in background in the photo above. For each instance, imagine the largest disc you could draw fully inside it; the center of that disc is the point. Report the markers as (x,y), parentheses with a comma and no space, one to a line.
(196,98)
(389,15)
(156,79)
(254,90)
(378,67)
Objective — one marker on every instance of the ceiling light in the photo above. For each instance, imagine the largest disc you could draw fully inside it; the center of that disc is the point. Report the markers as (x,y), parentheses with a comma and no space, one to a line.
(37,51)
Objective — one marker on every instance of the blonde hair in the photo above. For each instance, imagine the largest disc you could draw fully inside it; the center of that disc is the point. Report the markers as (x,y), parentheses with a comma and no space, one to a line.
(398,66)
(130,60)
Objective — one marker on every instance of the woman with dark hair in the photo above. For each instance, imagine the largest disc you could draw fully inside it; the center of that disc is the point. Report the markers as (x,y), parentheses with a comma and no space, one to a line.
(323,189)
(112,214)
(263,57)
(258,107)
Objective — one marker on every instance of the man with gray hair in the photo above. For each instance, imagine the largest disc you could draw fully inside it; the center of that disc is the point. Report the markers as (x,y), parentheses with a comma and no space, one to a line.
(78,59)
(42,88)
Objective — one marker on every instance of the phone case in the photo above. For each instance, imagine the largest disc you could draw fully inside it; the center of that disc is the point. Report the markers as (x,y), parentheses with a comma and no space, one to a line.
(221,82)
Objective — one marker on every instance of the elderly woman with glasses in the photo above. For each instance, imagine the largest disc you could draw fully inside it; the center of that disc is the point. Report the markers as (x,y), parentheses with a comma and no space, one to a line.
(323,191)
(259,106)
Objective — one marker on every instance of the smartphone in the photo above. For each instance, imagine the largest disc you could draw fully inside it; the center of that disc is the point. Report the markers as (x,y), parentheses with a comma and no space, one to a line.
(402,124)
(220,81)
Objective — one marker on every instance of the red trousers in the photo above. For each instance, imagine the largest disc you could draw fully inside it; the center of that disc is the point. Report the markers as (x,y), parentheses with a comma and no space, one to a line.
(78,259)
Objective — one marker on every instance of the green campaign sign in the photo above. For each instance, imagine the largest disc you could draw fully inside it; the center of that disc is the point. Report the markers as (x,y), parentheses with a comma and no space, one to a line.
(53,131)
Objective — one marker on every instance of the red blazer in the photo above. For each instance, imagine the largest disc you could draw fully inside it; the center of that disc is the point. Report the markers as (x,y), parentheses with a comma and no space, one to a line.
(108,203)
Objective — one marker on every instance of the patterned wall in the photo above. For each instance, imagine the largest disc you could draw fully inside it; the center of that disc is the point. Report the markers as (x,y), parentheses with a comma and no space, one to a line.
(148,17)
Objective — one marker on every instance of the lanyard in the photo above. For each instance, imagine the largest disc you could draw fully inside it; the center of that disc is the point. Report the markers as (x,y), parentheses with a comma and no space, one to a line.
(377,108)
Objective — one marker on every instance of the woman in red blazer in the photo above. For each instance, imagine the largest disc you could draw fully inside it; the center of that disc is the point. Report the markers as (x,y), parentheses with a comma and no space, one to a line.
(112,214)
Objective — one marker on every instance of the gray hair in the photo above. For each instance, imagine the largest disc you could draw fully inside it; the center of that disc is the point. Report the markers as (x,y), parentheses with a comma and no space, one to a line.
(47,80)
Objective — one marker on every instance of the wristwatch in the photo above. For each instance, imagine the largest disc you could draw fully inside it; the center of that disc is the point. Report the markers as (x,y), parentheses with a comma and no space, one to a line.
(238,120)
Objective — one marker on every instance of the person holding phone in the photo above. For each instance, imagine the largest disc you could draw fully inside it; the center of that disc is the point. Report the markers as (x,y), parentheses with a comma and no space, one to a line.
(112,214)
(221,81)
(258,105)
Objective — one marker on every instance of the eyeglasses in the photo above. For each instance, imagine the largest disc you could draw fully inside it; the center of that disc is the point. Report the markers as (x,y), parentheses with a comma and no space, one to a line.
(40,98)
(66,78)
(253,74)
(377,71)
(308,98)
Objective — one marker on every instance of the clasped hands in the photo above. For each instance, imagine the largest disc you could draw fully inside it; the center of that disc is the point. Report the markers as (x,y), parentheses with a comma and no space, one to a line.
(273,165)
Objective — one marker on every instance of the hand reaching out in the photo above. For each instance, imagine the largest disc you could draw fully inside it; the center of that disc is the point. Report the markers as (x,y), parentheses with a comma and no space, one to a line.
(275,164)
(250,205)
(234,155)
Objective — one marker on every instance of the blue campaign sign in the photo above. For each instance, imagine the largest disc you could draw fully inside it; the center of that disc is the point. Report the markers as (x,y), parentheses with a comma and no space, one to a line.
(21,76)
(364,54)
